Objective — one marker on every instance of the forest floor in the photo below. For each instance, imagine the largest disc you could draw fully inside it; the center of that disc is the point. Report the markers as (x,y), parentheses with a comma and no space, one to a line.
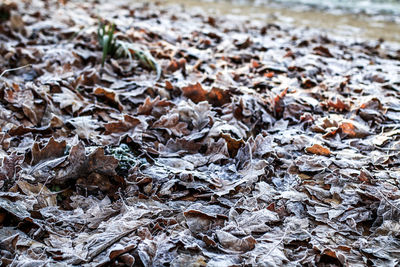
(210,141)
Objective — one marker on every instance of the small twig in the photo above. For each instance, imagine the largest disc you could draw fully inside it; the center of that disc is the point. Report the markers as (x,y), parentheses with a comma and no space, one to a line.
(122,199)
(108,244)
(8,70)
(387,200)
(277,244)
(44,184)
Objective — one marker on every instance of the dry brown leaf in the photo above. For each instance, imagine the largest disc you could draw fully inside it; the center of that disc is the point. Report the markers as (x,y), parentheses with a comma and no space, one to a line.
(172,125)
(218,97)
(195,92)
(231,242)
(110,95)
(122,126)
(318,150)
(154,107)
(53,149)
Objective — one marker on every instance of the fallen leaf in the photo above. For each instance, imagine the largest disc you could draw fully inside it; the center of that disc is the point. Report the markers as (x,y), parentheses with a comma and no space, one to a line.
(53,149)
(231,242)
(195,92)
(318,150)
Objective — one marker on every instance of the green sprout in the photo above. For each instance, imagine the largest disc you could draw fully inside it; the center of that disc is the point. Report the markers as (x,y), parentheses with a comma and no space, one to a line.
(118,48)
(107,42)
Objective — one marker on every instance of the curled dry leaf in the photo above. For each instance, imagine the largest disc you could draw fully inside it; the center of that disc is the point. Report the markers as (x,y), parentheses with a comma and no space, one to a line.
(110,95)
(231,242)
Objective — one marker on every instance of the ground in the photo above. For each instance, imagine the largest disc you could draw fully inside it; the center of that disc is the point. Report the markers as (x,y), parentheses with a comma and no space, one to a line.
(259,144)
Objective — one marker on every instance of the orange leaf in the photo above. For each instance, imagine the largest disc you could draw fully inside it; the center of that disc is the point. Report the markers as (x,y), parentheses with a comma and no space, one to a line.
(340,105)
(218,97)
(269,74)
(195,92)
(254,63)
(278,101)
(330,253)
(109,95)
(348,129)
(318,150)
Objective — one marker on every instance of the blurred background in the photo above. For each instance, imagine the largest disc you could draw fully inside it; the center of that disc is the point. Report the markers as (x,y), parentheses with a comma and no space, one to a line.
(364,19)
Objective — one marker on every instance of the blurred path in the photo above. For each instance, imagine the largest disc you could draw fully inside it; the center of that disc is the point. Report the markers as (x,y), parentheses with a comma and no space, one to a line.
(332,20)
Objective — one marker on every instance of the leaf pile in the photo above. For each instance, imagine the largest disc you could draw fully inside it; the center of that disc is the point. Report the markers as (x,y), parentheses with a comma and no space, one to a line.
(259,145)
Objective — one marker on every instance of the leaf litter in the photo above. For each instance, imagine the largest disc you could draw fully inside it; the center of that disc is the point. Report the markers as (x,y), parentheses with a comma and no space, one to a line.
(256,145)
